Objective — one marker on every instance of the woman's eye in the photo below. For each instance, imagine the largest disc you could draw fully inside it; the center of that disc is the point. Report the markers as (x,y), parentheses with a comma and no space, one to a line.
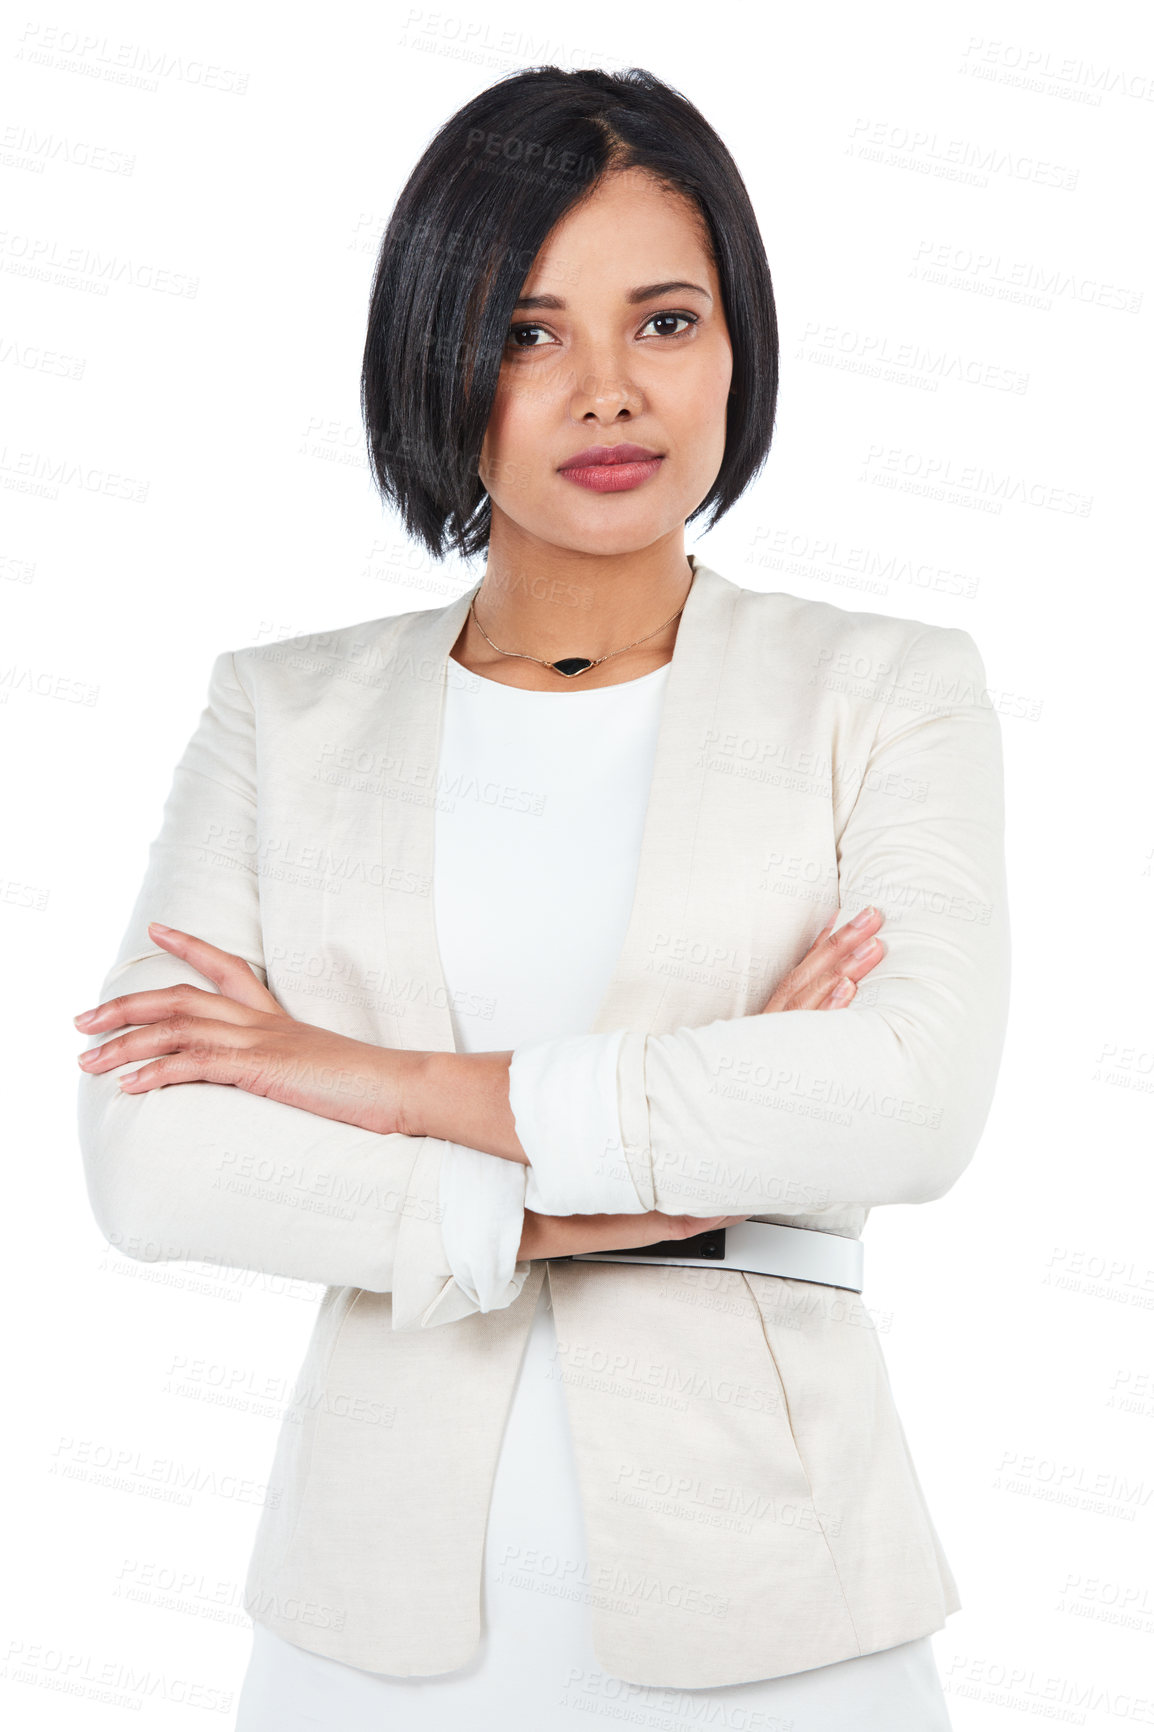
(669,319)
(519,332)
(537,337)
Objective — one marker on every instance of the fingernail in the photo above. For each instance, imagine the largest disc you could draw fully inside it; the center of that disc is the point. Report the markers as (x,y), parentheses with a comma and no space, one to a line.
(158,926)
(863,950)
(843,991)
(83,1019)
(862,918)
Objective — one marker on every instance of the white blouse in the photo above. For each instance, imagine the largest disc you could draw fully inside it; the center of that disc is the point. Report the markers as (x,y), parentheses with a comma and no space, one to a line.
(541,800)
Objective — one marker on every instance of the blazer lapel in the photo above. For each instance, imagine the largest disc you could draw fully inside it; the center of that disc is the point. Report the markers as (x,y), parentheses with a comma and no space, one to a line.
(665,868)
(417,675)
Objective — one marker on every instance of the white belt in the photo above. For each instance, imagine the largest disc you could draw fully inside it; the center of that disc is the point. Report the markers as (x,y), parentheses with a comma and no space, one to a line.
(758,1247)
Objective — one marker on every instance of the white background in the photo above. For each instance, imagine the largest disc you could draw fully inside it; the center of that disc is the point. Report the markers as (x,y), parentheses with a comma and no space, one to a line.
(955,206)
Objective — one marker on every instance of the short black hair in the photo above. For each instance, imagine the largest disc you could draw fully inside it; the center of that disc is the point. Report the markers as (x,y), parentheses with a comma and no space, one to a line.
(474,213)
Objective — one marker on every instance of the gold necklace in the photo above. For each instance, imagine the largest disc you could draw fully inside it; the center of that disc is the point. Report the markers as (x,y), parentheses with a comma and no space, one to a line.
(571,666)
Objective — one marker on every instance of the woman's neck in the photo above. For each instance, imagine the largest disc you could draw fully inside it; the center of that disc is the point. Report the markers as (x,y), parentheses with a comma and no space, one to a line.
(553,603)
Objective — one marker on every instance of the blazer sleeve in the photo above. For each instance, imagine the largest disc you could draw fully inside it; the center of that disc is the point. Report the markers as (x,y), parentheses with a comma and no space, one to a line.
(482,1220)
(792,1112)
(200,1172)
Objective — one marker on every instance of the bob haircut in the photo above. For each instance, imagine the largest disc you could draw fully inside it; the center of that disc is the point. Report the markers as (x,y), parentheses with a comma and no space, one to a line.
(477,208)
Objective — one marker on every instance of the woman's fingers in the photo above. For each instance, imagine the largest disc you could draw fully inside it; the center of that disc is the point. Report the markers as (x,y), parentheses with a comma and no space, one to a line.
(158,1002)
(688,1226)
(842,992)
(198,1034)
(201,1040)
(566,1235)
(852,950)
(230,972)
(240,990)
(828,973)
(622,1231)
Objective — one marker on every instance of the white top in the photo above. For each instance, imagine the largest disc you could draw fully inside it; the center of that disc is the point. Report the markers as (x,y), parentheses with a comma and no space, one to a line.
(540,812)
(541,801)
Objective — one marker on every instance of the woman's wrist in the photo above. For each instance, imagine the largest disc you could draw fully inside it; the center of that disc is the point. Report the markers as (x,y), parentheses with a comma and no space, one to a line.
(565,1235)
(559,1235)
(462,1098)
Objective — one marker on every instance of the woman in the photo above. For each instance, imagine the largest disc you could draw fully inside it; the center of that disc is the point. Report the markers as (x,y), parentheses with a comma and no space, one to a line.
(498,935)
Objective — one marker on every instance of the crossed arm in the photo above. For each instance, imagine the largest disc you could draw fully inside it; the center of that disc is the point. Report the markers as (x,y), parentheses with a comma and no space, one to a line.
(333,1176)
(240,1037)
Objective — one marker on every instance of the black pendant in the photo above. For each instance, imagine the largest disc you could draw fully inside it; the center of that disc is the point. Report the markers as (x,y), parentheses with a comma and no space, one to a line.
(572,665)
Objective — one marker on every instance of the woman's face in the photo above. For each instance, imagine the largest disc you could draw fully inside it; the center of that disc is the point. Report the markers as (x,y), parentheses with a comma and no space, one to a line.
(619,337)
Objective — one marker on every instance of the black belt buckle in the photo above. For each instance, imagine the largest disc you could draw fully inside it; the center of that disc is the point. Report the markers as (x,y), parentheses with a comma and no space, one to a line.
(709,1246)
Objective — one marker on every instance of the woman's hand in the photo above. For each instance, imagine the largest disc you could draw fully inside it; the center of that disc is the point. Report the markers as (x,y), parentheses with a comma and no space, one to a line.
(826,977)
(565,1235)
(240,1036)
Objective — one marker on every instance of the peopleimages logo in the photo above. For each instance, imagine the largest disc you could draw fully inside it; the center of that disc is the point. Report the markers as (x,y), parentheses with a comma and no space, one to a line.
(135,64)
(960,159)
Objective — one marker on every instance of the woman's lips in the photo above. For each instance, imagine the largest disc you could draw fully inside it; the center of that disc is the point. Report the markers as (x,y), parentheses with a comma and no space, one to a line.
(613,477)
(613,468)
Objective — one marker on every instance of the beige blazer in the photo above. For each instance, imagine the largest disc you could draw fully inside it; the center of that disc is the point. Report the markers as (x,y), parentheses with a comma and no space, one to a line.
(750,1503)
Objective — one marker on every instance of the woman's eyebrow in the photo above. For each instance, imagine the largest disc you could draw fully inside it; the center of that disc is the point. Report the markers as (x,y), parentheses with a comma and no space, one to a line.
(648,292)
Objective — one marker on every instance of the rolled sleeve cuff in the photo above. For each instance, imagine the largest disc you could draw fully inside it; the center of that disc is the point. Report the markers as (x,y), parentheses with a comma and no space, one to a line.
(564,1099)
(482,1206)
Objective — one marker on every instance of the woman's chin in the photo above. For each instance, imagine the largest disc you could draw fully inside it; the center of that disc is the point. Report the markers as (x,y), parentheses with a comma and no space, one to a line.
(593,530)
